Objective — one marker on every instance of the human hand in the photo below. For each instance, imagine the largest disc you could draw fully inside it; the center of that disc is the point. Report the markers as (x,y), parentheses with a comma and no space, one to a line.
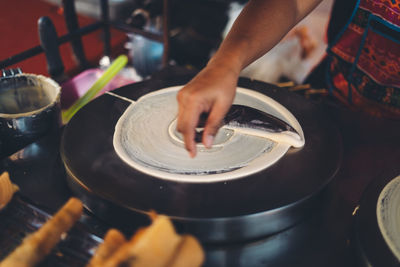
(212,91)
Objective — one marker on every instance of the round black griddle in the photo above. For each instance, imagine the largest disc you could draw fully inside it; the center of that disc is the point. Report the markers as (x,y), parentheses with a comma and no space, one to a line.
(371,247)
(245,208)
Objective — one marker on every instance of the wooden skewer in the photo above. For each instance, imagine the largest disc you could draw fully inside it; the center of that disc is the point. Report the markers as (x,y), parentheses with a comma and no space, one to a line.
(300,87)
(113,240)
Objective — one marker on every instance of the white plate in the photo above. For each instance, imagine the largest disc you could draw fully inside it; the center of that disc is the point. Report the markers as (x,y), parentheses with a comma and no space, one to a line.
(388,214)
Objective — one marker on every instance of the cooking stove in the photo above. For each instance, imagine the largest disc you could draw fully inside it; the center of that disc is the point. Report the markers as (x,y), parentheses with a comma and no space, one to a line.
(224,205)
(323,237)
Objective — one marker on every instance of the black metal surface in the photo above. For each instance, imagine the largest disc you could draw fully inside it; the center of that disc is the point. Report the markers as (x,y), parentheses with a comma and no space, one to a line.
(261,204)
(105,16)
(311,242)
(71,20)
(10,72)
(372,248)
(49,42)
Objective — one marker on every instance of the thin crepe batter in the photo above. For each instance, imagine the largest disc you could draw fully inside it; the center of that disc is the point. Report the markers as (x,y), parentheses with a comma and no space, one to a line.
(142,140)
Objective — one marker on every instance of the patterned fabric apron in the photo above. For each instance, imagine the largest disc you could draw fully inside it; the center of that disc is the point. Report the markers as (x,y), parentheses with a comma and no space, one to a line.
(364,59)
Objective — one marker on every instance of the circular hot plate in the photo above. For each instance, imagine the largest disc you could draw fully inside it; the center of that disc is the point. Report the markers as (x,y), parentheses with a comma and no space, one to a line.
(377,223)
(248,207)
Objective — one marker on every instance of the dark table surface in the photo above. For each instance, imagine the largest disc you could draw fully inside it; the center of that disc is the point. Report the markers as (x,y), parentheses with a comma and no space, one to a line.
(371,151)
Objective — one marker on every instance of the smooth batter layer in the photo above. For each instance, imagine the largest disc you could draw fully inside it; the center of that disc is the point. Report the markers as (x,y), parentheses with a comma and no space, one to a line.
(142,139)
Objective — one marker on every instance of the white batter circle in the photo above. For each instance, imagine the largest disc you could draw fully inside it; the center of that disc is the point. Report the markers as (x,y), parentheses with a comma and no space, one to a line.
(142,139)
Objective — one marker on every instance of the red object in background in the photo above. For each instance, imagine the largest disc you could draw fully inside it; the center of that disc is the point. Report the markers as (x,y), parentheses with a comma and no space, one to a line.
(19,32)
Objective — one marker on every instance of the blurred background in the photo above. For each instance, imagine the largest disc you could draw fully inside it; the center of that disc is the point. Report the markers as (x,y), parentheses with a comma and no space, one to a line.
(196,28)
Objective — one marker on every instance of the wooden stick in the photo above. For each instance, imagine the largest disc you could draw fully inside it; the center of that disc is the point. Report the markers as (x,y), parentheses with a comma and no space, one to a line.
(113,240)
(300,87)
(7,189)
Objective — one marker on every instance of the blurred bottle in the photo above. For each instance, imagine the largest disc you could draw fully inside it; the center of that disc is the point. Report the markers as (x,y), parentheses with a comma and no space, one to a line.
(146,54)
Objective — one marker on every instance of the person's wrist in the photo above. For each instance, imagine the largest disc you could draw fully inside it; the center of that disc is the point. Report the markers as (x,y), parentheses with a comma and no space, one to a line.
(224,69)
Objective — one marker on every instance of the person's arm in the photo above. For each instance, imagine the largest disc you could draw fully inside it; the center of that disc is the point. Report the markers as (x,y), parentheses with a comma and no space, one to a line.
(259,27)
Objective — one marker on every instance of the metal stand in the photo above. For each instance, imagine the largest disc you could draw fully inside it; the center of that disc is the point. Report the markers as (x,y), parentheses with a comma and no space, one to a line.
(75,33)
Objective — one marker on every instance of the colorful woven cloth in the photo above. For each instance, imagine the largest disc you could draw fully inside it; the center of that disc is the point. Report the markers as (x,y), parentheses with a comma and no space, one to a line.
(364,59)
